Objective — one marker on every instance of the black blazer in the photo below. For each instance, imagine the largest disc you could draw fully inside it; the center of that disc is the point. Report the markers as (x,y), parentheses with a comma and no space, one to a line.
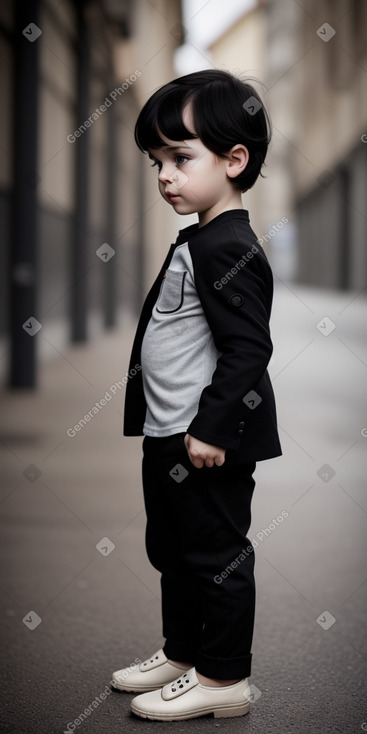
(234,282)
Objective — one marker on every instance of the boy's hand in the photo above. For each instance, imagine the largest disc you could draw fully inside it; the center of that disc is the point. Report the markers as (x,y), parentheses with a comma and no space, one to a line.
(201,453)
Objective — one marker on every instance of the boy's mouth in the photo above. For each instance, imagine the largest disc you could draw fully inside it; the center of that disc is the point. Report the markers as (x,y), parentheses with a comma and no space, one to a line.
(172,197)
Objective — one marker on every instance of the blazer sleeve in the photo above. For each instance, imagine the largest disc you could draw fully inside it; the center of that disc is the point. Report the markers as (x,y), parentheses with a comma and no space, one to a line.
(238,315)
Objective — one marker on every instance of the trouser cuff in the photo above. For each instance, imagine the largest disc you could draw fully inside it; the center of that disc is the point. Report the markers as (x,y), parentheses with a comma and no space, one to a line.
(223,668)
(180,651)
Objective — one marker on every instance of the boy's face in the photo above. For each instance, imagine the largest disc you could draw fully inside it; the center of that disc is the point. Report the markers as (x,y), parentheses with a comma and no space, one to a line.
(191,178)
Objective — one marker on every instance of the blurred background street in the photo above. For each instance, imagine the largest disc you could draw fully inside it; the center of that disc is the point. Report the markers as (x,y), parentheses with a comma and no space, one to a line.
(84,232)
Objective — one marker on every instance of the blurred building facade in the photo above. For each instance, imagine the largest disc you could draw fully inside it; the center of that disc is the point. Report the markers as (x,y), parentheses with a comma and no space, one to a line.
(329,159)
(310,211)
(73,78)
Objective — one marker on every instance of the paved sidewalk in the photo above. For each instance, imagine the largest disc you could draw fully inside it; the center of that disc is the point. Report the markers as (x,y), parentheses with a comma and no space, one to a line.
(64,494)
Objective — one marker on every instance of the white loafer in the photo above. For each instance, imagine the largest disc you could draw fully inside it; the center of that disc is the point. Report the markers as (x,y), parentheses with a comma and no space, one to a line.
(186,698)
(149,675)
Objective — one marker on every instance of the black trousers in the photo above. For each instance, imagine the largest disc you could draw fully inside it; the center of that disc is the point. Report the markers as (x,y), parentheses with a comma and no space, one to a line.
(197,523)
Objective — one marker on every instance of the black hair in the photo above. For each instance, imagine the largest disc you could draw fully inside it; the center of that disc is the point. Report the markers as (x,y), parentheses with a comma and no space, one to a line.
(226,111)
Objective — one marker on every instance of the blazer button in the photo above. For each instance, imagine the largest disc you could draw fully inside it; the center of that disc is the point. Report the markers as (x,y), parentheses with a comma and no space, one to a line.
(240,430)
(241,423)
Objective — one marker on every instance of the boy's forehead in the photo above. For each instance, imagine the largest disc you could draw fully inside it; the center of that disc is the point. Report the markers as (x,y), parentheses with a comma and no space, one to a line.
(188,118)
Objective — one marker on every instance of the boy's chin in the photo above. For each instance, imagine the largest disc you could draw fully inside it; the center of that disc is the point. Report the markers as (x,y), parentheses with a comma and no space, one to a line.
(182,207)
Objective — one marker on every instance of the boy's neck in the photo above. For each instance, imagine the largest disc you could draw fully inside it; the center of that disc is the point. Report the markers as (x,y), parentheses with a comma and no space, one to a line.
(207,216)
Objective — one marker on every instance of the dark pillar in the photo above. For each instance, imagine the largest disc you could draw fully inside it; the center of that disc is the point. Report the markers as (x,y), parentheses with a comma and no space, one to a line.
(23,240)
(80,251)
(111,200)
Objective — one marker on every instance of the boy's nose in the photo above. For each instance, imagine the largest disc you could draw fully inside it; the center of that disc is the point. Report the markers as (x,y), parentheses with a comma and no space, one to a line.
(166,173)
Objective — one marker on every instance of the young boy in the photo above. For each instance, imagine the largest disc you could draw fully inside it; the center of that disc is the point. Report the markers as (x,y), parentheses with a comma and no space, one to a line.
(201,395)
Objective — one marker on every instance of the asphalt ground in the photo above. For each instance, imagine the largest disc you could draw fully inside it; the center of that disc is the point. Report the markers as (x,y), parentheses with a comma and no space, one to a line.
(97,612)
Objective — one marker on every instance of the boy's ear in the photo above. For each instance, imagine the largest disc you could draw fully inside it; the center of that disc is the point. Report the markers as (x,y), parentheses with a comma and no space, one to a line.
(238,158)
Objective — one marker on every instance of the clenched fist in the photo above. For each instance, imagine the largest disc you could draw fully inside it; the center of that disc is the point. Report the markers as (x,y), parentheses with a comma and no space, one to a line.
(201,453)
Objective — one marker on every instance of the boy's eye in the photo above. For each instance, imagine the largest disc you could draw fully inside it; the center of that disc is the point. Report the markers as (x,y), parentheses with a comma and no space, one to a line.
(179,160)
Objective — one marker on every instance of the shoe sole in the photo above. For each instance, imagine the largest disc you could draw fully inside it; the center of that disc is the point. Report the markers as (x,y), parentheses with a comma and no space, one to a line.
(219,713)
(127,689)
